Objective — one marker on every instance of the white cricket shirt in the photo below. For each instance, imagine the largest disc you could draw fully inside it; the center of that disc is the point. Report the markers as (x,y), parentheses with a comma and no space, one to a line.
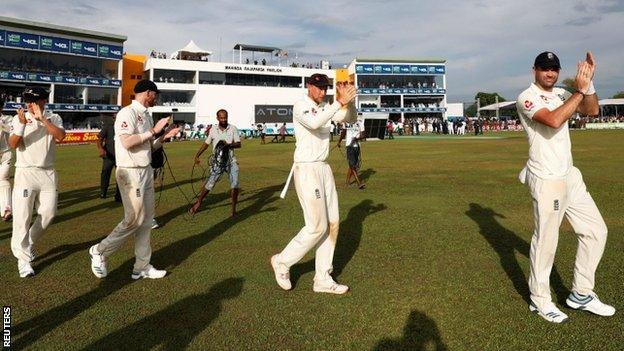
(38,148)
(550,150)
(133,119)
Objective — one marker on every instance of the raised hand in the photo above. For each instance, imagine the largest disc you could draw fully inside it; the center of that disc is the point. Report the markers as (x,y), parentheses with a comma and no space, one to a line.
(160,125)
(21,115)
(171,132)
(583,77)
(37,112)
(346,93)
(591,62)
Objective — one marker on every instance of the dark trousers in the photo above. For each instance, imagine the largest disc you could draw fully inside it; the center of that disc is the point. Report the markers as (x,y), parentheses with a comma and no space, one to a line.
(108,163)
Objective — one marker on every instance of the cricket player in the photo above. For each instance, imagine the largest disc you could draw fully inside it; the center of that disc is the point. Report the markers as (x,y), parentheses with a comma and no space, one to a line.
(557,187)
(33,136)
(134,142)
(315,186)
(224,138)
(5,164)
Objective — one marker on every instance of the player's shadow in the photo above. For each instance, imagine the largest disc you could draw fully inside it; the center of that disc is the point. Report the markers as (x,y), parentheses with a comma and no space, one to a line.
(192,315)
(420,333)
(349,238)
(506,243)
(366,174)
(28,332)
(59,253)
(72,197)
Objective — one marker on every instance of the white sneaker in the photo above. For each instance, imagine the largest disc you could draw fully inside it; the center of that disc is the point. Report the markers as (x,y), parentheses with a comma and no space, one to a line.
(155,224)
(25,269)
(282,276)
(330,286)
(98,262)
(589,303)
(551,313)
(150,272)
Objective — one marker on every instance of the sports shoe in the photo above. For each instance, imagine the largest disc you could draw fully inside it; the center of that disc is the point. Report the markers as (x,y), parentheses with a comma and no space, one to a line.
(33,252)
(282,276)
(150,272)
(155,224)
(330,286)
(25,269)
(98,262)
(589,303)
(551,313)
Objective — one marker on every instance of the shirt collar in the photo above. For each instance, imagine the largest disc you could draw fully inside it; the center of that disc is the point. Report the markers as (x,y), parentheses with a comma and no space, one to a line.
(138,106)
(312,102)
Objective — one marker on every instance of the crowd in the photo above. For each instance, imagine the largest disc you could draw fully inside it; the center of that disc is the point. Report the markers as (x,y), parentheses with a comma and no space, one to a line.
(387,84)
(32,65)
(158,54)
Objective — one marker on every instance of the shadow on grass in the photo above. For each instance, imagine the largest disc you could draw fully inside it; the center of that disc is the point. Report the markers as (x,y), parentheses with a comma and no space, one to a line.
(28,332)
(420,333)
(59,253)
(367,173)
(348,241)
(506,243)
(174,327)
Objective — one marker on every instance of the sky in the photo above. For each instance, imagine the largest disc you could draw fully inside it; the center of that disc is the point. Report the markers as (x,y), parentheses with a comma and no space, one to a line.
(489,45)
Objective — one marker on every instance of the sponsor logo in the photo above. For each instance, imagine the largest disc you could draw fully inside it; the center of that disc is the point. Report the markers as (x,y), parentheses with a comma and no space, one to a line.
(116,52)
(61,45)
(138,193)
(528,105)
(25,192)
(124,125)
(89,48)
(317,193)
(556,205)
(30,41)
(544,98)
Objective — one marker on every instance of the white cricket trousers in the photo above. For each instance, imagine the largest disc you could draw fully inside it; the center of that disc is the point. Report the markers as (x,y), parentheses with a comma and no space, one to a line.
(5,185)
(136,186)
(34,188)
(552,200)
(316,190)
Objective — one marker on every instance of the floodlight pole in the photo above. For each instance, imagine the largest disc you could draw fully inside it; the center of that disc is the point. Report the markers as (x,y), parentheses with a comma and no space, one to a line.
(497,113)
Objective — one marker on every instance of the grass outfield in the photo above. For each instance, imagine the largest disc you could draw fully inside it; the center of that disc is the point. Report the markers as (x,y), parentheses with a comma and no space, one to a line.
(435,251)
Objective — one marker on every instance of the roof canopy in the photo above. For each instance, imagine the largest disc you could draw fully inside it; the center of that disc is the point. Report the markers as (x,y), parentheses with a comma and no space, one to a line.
(190,51)
(606,102)
(505,105)
(256,48)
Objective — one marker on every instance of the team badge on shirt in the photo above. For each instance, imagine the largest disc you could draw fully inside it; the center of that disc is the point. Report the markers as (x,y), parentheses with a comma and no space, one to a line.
(528,105)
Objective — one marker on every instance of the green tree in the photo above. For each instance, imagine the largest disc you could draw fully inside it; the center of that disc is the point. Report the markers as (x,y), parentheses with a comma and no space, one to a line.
(619,95)
(488,99)
(568,84)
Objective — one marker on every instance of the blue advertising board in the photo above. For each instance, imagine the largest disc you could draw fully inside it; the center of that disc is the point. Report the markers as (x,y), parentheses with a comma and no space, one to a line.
(22,40)
(2,36)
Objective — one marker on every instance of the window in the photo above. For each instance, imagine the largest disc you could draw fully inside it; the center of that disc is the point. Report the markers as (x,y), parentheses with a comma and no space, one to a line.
(173,76)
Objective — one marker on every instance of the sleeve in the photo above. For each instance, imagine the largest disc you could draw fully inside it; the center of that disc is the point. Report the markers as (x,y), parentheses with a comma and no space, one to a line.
(124,123)
(566,94)
(209,137)
(527,104)
(303,114)
(346,113)
(103,132)
(57,121)
(15,123)
(236,137)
